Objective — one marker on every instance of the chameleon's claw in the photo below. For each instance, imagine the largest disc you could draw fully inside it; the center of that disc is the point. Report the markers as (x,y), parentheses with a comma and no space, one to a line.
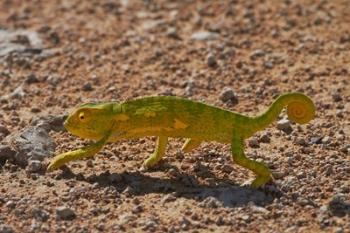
(57,162)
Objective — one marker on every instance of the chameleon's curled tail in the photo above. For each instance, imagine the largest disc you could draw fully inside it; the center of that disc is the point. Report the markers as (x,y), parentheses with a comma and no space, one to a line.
(300,109)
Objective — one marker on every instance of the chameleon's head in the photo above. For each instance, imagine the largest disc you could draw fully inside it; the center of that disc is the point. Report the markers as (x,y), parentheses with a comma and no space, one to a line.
(90,121)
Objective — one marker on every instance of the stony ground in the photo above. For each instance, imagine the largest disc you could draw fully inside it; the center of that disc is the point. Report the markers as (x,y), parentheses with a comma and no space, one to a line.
(235,54)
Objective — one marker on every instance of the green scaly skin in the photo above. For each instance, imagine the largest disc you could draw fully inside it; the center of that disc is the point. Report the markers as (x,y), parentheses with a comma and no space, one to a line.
(167,116)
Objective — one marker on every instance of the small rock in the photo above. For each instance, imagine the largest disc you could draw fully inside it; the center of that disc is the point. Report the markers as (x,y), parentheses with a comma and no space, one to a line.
(10,204)
(227,168)
(31,79)
(40,214)
(210,202)
(268,65)
(184,223)
(65,213)
(326,140)
(285,126)
(18,93)
(300,141)
(337,97)
(257,53)
(4,131)
(4,228)
(53,80)
(172,33)
(227,94)
(189,87)
(253,142)
(316,140)
(126,218)
(168,198)
(34,166)
(6,152)
(204,35)
(264,138)
(87,87)
(338,206)
(211,60)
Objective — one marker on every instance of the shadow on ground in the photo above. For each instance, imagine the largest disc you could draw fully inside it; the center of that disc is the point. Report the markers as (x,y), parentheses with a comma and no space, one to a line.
(224,192)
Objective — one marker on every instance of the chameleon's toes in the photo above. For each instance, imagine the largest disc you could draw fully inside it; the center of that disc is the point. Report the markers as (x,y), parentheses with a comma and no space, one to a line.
(260,181)
(150,162)
(52,166)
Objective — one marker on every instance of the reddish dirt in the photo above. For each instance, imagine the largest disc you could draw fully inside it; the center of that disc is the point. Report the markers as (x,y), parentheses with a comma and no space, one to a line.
(118,50)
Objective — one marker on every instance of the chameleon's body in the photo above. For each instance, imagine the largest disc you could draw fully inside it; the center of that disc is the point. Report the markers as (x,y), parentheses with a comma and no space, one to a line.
(166,116)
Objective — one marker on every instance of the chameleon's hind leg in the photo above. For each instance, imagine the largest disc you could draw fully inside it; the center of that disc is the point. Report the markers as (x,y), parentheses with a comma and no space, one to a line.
(261,170)
(190,144)
(157,155)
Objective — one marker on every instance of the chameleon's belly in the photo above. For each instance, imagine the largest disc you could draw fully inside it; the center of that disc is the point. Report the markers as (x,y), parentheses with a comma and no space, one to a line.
(177,130)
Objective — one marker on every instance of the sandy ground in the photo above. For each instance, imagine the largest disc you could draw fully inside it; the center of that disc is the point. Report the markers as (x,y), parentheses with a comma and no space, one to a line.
(58,54)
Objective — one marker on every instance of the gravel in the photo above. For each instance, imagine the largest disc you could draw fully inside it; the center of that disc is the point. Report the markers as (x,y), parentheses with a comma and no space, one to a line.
(228,95)
(34,166)
(285,126)
(65,213)
(4,228)
(204,35)
(261,49)
(211,60)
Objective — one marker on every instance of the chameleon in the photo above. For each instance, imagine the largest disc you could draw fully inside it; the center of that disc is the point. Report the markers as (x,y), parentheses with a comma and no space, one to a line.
(177,117)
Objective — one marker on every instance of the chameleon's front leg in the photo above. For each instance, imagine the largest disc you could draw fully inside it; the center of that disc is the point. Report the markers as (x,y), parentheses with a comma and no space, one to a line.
(157,155)
(85,152)
(261,170)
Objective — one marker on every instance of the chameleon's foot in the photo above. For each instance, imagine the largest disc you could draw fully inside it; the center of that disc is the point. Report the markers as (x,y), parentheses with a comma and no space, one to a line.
(157,155)
(56,163)
(151,161)
(260,181)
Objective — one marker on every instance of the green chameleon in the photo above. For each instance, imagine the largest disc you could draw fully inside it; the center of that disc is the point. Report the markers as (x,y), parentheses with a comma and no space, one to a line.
(167,116)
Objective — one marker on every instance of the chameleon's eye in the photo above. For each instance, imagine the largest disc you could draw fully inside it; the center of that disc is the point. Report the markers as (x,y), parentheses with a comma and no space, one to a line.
(82,116)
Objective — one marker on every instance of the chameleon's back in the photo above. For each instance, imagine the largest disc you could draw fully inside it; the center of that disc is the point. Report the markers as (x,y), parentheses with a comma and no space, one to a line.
(178,117)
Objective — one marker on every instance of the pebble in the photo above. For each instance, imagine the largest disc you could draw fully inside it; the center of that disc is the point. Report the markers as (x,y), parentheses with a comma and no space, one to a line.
(4,131)
(210,202)
(34,166)
(253,142)
(257,53)
(65,213)
(336,97)
(168,198)
(211,60)
(300,141)
(326,140)
(31,79)
(338,206)
(87,87)
(4,228)
(39,214)
(316,140)
(53,80)
(265,138)
(284,125)
(227,94)
(10,204)
(6,152)
(172,33)
(126,218)
(204,35)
